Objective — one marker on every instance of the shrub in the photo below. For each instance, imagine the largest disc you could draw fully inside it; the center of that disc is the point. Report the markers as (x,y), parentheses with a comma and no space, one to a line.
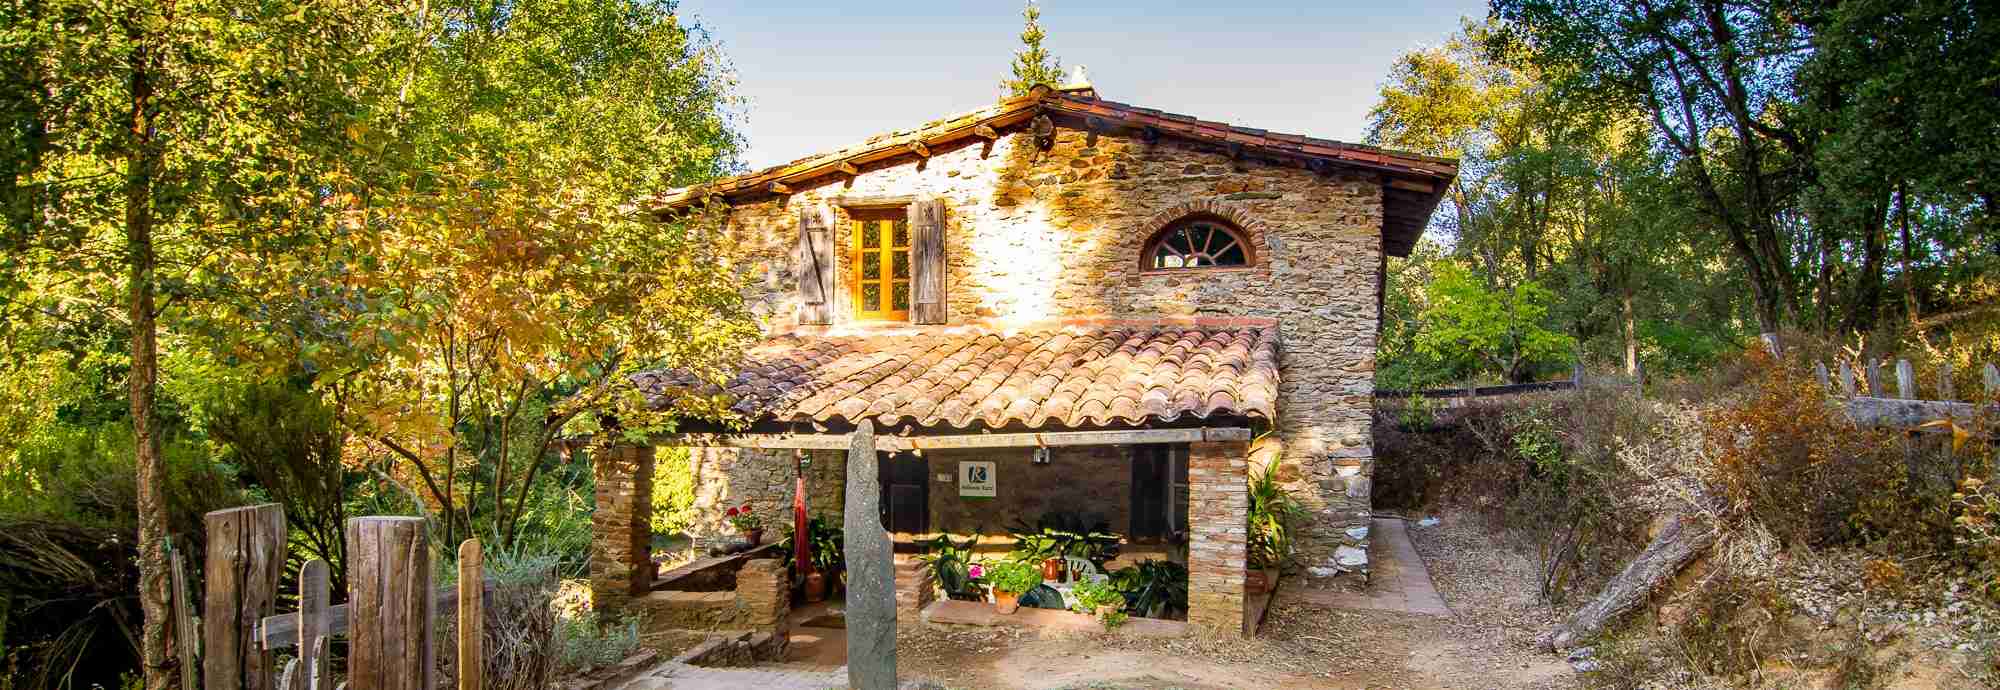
(673,491)
(1014,577)
(587,643)
(951,563)
(521,627)
(1154,589)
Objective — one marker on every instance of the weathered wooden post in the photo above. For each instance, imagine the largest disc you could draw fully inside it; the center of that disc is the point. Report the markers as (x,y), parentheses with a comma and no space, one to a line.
(1946,389)
(1992,374)
(1874,373)
(871,579)
(389,604)
(471,616)
(184,632)
(1771,345)
(246,549)
(1846,380)
(315,624)
(1820,375)
(1906,380)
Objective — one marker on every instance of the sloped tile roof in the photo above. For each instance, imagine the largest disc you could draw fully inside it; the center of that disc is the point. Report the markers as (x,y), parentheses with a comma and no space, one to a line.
(1129,373)
(1406,209)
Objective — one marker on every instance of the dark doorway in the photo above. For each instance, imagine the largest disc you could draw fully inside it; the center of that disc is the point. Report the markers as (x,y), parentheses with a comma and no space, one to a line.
(906,495)
(1159,490)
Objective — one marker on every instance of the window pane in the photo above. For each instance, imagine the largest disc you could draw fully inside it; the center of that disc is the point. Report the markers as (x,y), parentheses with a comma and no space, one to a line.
(901,238)
(902,264)
(871,266)
(1233,256)
(871,297)
(899,300)
(871,235)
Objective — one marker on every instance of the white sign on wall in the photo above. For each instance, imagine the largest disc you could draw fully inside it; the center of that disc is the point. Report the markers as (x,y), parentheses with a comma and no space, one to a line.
(975,479)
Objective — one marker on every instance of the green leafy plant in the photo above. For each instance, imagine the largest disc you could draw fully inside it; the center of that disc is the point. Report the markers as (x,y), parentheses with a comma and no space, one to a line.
(1014,577)
(1154,589)
(1062,533)
(951,563)
(743,518)
(1273,511)
(1093,597)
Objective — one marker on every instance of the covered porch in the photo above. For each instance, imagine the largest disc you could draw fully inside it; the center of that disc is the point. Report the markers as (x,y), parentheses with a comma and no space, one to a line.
(1157,448)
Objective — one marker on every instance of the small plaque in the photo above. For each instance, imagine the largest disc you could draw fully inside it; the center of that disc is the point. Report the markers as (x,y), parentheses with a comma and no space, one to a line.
(976,479)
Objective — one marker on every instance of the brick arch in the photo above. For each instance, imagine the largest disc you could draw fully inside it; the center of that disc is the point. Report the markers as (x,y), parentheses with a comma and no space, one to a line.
(1255,230)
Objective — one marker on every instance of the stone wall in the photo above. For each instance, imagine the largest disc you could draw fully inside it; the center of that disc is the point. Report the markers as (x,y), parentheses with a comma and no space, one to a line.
(1093,480)
(1218,506)
(1056,234)
(725,477)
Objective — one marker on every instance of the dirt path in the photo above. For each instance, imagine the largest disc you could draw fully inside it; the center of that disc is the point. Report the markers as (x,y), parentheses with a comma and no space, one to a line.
(1401,634)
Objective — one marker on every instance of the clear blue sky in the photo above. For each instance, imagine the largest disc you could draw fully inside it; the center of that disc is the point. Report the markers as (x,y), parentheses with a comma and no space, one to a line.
(819,76)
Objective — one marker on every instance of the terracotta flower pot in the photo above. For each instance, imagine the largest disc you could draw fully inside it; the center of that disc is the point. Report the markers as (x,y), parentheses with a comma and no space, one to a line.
(754,536)
(815,588)
(1006,603)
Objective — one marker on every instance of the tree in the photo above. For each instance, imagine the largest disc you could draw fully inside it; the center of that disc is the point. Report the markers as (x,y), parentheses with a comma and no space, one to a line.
(176,149)
(491,292)
(1502,329)
(1032,63)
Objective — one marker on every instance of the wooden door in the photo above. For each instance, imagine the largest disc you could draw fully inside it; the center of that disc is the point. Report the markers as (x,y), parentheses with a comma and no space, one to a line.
(906,498)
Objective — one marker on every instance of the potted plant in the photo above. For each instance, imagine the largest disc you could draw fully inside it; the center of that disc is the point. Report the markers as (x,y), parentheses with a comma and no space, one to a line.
(1154,589)
(1045,550)
(1100,599)
(746,523)
(828,558)
(1011,580)
(952,567)
(1272,513)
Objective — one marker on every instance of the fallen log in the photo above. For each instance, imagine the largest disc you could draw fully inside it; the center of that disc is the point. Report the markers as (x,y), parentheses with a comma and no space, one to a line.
(1684,538)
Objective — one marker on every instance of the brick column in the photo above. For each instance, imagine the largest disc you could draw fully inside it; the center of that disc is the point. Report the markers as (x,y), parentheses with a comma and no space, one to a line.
(915,588)
(1218,523)
(764,592)
(621,565)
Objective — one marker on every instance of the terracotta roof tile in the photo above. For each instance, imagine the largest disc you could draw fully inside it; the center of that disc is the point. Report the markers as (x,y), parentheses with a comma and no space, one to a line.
(1053,375)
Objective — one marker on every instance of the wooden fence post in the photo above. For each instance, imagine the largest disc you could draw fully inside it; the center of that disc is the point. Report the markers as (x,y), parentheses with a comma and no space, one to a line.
(1820,375)
(1946,389)
(315,624)
(471,616)
(246,549)
(1992,380)
(1846,380)
(389,604)
(1906,380)
(1874,373)
(185,644)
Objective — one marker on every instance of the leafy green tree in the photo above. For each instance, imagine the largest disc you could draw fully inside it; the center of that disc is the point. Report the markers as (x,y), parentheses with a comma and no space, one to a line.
(1033,64)
(173,150)
(1500,329)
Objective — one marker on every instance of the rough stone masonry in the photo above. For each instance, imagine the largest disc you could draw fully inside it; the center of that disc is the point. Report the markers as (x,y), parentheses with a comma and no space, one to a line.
(1058,233)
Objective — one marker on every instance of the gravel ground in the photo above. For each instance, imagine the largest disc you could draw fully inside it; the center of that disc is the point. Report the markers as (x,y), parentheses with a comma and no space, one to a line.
(1490,588)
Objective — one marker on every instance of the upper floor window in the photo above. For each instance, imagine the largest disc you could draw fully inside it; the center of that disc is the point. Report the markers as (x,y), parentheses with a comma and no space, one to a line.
(881,260)
(1198,242)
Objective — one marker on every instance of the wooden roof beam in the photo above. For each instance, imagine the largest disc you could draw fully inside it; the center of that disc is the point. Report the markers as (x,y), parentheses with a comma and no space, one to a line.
(975,440)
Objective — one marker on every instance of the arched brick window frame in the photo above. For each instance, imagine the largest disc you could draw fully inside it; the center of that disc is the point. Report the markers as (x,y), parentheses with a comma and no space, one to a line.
(1249,231)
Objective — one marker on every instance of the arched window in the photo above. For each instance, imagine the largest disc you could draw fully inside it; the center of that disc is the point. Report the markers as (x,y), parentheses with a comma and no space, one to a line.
(1197,242)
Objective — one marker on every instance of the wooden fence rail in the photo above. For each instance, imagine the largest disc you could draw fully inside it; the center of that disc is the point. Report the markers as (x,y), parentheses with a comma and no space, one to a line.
(1860,387)
(389,623)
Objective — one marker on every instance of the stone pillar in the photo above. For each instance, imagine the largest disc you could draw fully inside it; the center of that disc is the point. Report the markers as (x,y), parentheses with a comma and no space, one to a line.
(1218,524)
(621,559)
(871,582)
(764,592)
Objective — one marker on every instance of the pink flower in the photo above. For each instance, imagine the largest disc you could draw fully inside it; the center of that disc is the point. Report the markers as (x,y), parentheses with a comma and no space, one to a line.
(975,571)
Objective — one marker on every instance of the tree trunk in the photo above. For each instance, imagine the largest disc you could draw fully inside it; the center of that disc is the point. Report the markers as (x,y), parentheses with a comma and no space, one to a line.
(1911,309)
(1631,333)
(142,167)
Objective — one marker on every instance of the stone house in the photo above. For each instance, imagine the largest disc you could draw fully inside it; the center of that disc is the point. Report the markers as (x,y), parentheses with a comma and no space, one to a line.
(1103,308)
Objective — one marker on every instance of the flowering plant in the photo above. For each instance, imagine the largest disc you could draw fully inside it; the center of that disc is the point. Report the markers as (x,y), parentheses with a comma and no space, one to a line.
(743,519)
(975,571)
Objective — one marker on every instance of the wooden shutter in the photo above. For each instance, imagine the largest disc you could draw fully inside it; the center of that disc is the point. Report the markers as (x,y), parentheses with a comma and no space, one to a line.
(927,261)
(813,266)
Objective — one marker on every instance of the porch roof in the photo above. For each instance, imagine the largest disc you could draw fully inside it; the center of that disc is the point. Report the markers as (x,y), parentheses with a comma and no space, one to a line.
(1071,375)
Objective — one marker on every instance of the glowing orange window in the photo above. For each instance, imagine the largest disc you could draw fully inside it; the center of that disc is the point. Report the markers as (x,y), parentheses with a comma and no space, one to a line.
(881,259)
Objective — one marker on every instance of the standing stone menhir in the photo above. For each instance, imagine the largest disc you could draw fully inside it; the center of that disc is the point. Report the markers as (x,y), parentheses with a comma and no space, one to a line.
(871,581)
